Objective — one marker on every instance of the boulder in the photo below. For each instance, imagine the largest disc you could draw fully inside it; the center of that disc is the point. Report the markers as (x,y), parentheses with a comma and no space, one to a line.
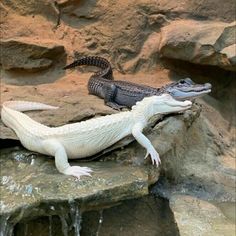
(204,43)
(202,164)
(197,217)
(29,54)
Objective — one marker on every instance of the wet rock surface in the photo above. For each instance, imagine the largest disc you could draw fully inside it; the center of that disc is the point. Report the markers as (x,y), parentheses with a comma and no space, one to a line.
(30,181)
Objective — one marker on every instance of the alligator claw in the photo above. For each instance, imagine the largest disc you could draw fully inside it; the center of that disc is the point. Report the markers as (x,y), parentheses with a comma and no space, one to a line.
(78,171)
(154,156)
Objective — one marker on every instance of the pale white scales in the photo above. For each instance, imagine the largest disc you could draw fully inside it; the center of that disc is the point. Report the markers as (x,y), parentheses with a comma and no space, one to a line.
(89,137)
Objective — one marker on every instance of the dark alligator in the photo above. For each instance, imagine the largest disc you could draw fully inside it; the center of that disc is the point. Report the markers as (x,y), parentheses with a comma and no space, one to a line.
(118,94)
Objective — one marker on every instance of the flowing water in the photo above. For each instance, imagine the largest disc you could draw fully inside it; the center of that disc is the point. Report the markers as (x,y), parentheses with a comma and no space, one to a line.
(66,223)
(142,217)
(6,228)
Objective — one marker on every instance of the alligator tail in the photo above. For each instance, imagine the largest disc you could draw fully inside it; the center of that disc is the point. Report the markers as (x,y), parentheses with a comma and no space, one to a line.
(100,62)
(26,106)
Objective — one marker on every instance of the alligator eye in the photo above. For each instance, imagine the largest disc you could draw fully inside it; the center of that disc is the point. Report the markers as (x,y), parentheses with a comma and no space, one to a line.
(182,81)
(189,81)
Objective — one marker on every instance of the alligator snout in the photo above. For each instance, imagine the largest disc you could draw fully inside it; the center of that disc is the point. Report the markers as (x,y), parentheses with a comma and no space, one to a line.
(207,85)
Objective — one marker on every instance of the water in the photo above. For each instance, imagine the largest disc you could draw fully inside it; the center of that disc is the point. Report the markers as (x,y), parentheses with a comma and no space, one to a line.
(75,217)
(147,216)
(6,228)
(100,221)
(64,225)
(50,226)
(65,222)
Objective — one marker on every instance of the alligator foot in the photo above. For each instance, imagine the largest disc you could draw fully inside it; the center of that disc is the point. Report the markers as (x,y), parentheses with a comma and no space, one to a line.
(115,106)
(154,156)
(77,171)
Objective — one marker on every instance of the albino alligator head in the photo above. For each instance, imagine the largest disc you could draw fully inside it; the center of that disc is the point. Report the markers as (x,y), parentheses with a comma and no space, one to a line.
(162,104)
(186,89)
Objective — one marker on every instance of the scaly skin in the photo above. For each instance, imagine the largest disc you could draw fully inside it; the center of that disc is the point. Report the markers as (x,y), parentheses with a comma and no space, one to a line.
(119,94)
(89,137)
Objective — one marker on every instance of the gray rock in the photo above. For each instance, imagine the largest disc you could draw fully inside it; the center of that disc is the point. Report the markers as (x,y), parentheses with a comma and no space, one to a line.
(29,54)
(202,159)
(199,218)
(204,43)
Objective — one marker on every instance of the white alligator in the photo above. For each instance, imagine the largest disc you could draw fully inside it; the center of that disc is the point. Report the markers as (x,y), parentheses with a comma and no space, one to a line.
(88,137)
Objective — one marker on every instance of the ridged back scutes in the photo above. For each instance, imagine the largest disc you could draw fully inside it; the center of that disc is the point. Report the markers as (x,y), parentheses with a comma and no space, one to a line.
(106,122)
(15,119)
(95,85)
(21,122)
(18,120)
(103,122)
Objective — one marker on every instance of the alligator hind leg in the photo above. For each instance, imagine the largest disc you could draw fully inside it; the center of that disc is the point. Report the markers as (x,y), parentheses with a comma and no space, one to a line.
(55,148)
(110,91)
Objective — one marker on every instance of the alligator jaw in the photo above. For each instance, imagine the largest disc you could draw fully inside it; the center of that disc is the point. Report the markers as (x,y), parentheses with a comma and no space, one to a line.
(182,106)
(179,95)
(189,92)
(194,88)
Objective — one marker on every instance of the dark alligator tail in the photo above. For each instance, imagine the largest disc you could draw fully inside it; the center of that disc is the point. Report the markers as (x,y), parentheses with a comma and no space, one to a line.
(100,62)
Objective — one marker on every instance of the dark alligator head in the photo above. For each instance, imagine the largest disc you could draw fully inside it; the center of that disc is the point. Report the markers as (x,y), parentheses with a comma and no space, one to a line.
(186,89)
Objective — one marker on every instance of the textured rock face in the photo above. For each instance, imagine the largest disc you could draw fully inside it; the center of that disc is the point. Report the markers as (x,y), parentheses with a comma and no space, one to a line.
(209,43)
(29,54)
(197,217)
(202,160)
(130,38)
(46,8)
(37,181)
(127,218)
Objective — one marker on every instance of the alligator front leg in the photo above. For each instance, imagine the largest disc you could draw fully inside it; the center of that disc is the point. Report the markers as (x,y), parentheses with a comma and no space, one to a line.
(55,148)
(110,91)
(145,142)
